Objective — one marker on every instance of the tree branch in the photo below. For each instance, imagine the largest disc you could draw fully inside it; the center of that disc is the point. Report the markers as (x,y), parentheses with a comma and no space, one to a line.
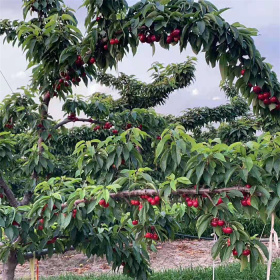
(65,121)
(44,252)
(26,199)
(8,192)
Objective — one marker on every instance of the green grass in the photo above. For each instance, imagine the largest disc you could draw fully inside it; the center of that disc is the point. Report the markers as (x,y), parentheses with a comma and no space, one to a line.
(229,272)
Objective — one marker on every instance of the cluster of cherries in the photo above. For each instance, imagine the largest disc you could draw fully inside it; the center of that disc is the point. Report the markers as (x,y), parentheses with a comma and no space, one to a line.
(245,252)
(41,224)
(72,117)
(246,201)
(9,125)
(174,36)
(151,200)
(103,203)
(264,96)
(51,241)
(148,38)
(191,202)
(114,41)
(152,235)
(216,222)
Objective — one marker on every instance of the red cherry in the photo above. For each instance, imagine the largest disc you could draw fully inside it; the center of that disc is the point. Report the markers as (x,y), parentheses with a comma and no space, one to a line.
(158,138)
(102,202)
(214,224)
(79,57)
(152,228)
(195,203)
(157,199)
(106,205)
(98,18)
(142,38)
(249,201)
(123,162)
(132,202)
(266,95)
(97,128)
(250,85)
(105,47)
(248,186)
(66,84)
(41,221)
(257,89)
(221,223)
(136,202)
(169,39)
(140,207)
(219,201)
(123,263)
(175,33)
(234,252)
(246,252)
(274,99)
(14,223)
(149,199)
(61,81)
(1,195)
(67,77)
(78,80)
(176,39)
(187,199)
(153,38)
(40,227)
(135,223)
(128,126)
(117,41)
(244,202)
(112,41)
(92,60)
(153,202)
(155,236)
(243,72)
(228,242)
(277,107)
(190,203)
(266,101)
(261,97)
(149,39)
(148,235)
(115,131)
(229,230)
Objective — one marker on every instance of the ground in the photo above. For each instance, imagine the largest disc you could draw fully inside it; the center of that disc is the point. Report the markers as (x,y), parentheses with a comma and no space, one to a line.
(170,255)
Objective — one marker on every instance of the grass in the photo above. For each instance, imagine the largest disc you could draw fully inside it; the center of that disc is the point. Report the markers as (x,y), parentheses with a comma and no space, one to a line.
(229,272)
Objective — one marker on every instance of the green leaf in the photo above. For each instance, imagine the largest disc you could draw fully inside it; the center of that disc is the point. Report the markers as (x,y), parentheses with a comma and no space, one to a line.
(249,163)
(272,205)
(229,174)
(68,17)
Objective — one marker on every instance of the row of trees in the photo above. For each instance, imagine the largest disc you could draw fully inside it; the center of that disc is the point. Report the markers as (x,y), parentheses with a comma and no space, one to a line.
(117,186)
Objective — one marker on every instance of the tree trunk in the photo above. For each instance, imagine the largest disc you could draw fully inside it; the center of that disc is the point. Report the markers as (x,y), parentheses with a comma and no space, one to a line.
(10,266)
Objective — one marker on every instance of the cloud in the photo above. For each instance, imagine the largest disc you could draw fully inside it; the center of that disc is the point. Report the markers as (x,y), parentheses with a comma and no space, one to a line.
(216,98)
(195,91)
(19,75)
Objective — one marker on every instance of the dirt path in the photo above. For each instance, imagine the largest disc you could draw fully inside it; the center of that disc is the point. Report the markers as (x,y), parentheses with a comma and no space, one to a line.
(170,255)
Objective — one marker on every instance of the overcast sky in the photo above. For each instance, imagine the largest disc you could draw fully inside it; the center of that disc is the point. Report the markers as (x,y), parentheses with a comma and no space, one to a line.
(261,14)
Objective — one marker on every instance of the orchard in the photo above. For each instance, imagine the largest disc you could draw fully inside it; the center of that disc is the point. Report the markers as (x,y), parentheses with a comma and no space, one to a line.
(119,185)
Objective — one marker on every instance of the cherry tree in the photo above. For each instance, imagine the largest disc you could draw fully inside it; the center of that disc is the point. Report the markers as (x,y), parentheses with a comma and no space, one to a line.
(118,189)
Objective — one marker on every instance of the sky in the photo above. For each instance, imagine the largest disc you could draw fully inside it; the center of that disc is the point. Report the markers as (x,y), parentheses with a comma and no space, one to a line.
(205,91)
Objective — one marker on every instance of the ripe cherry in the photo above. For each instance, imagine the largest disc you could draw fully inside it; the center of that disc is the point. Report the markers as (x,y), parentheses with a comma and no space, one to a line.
(105,47)
(228,242)
(234,252)
(128,126)
(221,223)
(274,99)
(176,33)
(257,89)
(1,195)
(155,236)
(195,203)
(153,228)
(61,81)
(98,18)
(142,38)
(246,252)
(261,97)
(135,223)
(41,221)
(115,131)
(40,227)
(153,202)
(243,72)
(148,235)
(158,138)
(190,203)
(153,38)
(248,186)
(117,41)
(219,201)
(250,85)
(14,223)
(227,230)
(106,205)
(74,213)
(112,41)
(214,224)
(249,201)
(244,202)
(102,202)
(92,60)
(266,101)
(67,77)
(266,95)
(157,199)
(169,39)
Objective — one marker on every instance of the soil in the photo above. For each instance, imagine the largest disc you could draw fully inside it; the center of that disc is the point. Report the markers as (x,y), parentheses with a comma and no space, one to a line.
(170,255)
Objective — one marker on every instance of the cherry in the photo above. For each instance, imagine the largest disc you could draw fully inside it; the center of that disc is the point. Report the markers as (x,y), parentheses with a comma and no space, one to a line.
(244,202)
(58,88)
(128,126)
(249,201)
(214,224)
(266,95)
(112,41)
(234,252)
(78,80)
(67,77)
(277,107)
(135,223)
(61,81)
(169,39)
(97,128)
(248,186)
(176,39)
(1,195)
(105,47)
(227,230)
(155,236)
(40,227)
(149,199)
(15,223)
(73,80)
(98,18)
(117,41)
(114,166)
(221,223)
(176,33)
(149,39)
(115,131)
(106,205)
(148,235)
(152,228)
(92,60)
(123,263)
(74,213)
(261,97)
(158,138)
(153,202)
(142,38)
(190,203)
(250,85)
(219,201)
(153,38)
(274,99)
(228,242)
(187,199)
(140,207)
(243,72)
(266,101)
(195,203)
(246,252)
(123,162)
(157,199)
(102,202)
(257,89)
(66,84)
(140,126)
